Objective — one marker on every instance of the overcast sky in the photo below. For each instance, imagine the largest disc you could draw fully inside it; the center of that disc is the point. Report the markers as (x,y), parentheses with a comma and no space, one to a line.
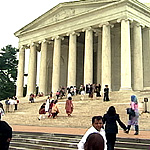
(15,14)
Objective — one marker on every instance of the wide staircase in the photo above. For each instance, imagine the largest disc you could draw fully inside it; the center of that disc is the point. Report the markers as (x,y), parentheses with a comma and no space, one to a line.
(50,141)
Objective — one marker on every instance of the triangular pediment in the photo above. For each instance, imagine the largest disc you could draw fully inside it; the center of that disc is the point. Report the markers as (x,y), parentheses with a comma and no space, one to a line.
(64,11)
(147,4)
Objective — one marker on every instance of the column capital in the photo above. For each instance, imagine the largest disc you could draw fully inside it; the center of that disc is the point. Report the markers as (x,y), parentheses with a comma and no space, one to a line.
(138,24)
(35,44)
(58,37)
(107,24)
(32,44)
(45,41)
(22,47)
(73,33)
(125,19)
(98,31)
(89,29)
(104,23)
(147,28)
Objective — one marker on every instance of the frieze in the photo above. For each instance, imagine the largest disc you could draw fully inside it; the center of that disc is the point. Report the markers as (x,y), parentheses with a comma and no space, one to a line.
(61,15)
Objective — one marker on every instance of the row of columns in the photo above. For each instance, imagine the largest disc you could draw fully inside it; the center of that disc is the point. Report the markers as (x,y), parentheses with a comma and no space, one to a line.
(103,52)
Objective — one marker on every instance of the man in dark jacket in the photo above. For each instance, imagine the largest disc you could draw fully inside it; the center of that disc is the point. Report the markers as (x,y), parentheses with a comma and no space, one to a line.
(5,135)
(106,93)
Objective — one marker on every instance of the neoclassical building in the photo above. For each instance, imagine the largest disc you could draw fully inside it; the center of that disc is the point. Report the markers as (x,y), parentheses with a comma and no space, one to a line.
(92,41)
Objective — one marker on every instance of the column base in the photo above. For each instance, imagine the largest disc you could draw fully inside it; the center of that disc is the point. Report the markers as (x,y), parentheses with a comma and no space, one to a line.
(125,89)
(146,89)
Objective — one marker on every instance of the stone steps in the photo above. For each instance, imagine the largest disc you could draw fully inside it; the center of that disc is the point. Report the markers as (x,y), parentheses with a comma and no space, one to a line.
(48,141)
(120,96)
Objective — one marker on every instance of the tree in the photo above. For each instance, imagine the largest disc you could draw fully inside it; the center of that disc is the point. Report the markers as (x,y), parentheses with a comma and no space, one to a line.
(8,71)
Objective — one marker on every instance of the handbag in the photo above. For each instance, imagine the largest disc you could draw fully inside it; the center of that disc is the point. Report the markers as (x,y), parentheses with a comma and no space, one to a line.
(131,112)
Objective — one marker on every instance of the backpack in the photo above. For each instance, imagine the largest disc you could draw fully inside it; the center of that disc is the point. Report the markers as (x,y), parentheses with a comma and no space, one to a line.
(131,112)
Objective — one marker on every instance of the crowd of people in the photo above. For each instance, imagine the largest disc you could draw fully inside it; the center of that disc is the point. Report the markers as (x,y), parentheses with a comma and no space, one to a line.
(90,89)
(11,104)
(51,108)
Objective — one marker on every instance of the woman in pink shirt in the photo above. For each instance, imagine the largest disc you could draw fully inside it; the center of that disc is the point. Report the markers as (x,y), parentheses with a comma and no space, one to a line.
(133,118)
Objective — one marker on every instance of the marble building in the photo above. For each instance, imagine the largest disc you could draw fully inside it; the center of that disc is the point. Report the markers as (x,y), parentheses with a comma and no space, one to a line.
(92,41)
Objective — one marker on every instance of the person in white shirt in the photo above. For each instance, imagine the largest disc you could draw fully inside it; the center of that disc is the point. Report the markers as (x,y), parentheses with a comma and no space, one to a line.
(12,104)
(47,104)
(97,124)
(69,95)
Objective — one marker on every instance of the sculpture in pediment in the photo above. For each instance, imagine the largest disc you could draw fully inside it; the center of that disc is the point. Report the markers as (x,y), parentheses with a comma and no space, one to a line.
(66,13)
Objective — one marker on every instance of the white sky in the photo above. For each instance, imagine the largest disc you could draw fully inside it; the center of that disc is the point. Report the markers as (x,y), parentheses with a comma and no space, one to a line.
(15,14)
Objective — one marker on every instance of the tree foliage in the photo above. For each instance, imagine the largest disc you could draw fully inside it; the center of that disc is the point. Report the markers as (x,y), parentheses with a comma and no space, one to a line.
(8,71)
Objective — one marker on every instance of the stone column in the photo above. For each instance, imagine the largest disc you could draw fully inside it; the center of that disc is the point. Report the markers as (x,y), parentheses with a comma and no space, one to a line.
(99,57)
(88,59)
(125,55)
(137,58)
(20,77)
(56,65)
(43,68)
(50,66)
(106,56)
(32,70)
(72,60)
(146,57)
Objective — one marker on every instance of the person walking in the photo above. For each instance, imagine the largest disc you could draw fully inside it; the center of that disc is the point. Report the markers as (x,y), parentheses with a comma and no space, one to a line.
(69,106)
(133,117)
(110,120)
